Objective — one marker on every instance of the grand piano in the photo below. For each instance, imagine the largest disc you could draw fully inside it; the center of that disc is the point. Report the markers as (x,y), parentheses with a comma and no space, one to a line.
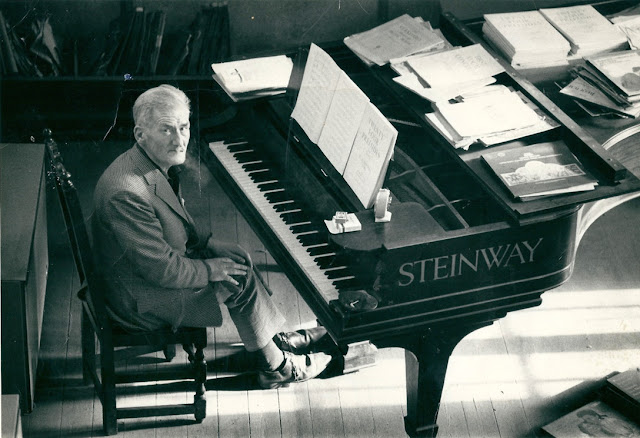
(458,253)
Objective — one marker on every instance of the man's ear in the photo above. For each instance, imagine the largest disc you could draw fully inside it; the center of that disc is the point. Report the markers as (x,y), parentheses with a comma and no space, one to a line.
(138,134)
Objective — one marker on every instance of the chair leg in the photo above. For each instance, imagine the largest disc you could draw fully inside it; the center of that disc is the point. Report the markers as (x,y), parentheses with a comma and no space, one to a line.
(109,413)
(88,349)
(200,369)
(189,349)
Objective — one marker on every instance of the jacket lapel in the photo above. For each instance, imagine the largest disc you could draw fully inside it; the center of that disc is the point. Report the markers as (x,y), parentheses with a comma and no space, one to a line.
(158,182)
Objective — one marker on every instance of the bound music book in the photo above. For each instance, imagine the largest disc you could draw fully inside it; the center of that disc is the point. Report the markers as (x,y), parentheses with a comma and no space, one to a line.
(397,38)
(588,31)
(526,38)
(350,131)
(595,419)
(156,35)
(543,169)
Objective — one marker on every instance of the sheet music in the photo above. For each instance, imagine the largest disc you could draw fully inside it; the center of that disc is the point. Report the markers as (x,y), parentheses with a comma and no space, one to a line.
(340,128)
(372,149)
(319,82)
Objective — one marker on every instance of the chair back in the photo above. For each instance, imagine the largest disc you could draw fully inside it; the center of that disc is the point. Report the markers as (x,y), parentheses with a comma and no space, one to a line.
(91,292)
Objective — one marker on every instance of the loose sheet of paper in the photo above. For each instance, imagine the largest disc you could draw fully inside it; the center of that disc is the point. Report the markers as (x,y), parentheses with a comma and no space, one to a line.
(342,122)
(319,82)
(370,155)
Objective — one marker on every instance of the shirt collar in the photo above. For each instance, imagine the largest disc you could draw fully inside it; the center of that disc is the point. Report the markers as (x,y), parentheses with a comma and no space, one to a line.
(173,170)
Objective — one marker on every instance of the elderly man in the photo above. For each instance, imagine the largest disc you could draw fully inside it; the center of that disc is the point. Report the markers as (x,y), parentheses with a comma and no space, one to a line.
(160,273)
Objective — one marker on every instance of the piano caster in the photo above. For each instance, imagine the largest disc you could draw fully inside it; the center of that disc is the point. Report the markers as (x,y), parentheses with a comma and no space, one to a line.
(359,355)
(428,431)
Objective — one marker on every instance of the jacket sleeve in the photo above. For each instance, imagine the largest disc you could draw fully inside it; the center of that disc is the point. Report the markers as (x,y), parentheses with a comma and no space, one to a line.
(138,232)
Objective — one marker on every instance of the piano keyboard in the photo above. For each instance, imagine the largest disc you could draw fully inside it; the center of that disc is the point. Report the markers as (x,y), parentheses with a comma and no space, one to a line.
(303,239)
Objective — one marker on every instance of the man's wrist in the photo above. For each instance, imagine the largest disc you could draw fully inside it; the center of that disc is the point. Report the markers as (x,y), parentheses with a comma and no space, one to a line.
(209,270)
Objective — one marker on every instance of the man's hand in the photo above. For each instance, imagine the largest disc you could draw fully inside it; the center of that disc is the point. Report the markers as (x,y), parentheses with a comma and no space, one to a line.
(229,250)
(223,269)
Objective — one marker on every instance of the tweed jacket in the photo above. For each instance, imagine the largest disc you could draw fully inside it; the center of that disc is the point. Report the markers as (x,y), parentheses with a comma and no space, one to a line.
(140,231)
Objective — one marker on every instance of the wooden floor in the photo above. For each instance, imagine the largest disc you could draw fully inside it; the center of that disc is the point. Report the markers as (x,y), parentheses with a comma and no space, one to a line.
(506,380)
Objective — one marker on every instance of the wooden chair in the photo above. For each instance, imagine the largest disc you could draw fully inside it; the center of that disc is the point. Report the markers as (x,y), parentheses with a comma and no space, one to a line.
(113,339)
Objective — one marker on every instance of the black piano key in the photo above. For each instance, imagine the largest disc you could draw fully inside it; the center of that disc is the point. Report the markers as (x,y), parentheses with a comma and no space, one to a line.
(311,239)
(246,157)
(274,197)
(294,218)
(239,147)
(286,207)
(321,250)
(303,228)
(256,165)
(347,283)
(269,186)
(338,273)
(333,261)
(264,176)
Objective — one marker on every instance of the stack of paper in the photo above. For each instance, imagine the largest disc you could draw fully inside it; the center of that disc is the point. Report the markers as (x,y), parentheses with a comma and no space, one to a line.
(251,78)
(526,39)
(611,80)
(397,38)
(494,115)
(588,31)
(447,73)
(456,66)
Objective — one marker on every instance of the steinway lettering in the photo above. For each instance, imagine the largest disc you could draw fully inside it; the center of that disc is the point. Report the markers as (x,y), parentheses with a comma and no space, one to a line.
(473,261)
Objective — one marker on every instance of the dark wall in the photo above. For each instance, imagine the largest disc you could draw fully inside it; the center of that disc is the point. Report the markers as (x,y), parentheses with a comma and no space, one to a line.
(256,25)
(466,9)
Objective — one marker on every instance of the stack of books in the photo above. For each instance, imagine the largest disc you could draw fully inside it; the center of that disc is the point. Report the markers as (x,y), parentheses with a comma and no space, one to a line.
(610,80)
(251,78)
(622,391)
(595,419)
(539,170)
(588,31)
(615,414)
(526,39)
(398,38)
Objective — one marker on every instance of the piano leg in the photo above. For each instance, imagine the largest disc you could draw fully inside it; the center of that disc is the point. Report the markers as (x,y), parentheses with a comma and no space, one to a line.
(426,359)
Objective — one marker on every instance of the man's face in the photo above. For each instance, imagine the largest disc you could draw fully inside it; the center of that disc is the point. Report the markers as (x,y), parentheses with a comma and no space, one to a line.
(166,137)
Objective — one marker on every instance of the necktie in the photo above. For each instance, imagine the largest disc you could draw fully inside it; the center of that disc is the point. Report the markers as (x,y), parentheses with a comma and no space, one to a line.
(174,180)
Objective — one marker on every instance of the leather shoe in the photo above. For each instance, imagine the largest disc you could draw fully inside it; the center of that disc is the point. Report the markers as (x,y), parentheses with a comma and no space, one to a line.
(296,368)
(300,341)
